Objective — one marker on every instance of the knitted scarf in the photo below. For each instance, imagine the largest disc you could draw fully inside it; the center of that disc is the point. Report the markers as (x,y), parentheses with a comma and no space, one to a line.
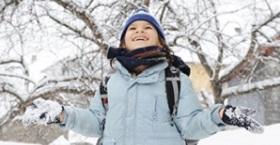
(137,60)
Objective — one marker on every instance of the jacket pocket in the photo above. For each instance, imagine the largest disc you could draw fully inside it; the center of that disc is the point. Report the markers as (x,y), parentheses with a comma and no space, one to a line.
(161,109)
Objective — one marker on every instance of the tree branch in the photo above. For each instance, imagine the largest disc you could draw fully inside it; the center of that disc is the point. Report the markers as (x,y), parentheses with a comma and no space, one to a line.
(220,44)
(10,61)
(65,89)
(75,30)
(250,54)
(64,80)
(82,14)
(246,88)
(17,76)
(7,88)
(201,56)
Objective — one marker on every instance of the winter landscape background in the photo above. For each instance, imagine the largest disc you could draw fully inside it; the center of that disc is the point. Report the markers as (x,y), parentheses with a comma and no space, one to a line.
(55,49)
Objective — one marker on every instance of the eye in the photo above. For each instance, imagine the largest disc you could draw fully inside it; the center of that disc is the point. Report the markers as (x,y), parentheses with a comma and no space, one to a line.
(132,28)
(148,27)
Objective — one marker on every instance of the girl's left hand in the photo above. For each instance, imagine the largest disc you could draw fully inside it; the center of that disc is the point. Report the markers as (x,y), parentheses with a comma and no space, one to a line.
(241,117)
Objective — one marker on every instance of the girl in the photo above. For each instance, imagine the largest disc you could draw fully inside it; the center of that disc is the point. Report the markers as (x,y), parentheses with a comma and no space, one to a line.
(138,111)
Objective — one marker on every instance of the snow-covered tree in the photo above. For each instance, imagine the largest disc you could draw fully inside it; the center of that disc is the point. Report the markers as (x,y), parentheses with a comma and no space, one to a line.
(231,39)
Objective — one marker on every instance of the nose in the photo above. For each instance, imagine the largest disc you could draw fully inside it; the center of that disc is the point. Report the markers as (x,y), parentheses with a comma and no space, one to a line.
(139,30)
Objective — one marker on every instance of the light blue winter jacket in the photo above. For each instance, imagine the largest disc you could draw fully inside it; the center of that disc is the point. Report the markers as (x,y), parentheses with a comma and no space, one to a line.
(138,112)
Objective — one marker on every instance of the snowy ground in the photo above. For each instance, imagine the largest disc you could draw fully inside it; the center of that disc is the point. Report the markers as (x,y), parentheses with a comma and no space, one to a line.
(242,137)
(232,137)
(14,143)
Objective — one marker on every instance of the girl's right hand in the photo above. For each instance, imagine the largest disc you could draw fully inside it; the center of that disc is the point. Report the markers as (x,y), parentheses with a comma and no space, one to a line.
(43,112)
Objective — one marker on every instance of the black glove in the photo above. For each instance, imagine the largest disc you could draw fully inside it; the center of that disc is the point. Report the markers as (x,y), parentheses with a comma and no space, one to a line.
(241,117)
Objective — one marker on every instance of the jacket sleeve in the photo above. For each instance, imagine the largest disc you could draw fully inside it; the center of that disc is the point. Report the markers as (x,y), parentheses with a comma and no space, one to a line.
(88,121)
(192,121)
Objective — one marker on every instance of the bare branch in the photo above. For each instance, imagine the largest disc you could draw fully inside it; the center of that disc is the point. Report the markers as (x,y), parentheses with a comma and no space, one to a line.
(88,5)
(163,10)
(269,7)
(10,61)
(272,18)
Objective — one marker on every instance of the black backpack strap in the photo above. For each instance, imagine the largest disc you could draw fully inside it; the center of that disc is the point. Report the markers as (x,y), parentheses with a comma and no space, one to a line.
(103,92)
(104,99)
(173,85)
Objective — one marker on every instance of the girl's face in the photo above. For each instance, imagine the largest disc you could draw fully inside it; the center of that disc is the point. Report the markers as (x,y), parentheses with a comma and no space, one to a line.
(141,34)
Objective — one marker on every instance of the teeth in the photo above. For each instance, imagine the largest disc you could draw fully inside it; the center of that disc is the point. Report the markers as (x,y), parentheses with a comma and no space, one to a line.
(140,38)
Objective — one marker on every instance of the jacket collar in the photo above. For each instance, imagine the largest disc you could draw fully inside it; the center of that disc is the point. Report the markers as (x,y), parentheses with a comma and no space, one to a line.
(149,75)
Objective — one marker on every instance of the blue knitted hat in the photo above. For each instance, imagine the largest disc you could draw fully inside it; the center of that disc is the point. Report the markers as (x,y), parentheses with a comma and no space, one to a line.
(141,14)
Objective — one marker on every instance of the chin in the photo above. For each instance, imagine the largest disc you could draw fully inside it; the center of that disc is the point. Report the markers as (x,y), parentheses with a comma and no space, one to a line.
(140,46)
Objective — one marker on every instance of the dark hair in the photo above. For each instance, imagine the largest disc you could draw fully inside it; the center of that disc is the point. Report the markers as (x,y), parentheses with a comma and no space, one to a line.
(169,51)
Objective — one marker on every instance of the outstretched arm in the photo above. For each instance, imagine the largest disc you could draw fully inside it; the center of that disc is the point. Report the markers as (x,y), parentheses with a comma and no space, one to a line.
(194,122)
(88,121)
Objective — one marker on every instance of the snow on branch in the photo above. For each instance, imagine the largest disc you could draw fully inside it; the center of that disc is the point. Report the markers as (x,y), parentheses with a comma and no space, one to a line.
(272,18)
(63,89)
(18,76)
(226,76)
(72,28)
(7,4)
(8,88)
(201,56)
(55,81)
(85,17)
(271,44)
(219,38)
(246,88)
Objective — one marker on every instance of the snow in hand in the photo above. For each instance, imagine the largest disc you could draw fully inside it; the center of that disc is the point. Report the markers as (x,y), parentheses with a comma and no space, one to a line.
(241,117)
(41,112)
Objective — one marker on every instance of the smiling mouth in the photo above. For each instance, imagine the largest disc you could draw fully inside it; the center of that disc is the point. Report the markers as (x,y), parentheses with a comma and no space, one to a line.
(141,38)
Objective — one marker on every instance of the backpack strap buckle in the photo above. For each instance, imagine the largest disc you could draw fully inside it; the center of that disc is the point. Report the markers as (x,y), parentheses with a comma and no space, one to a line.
(173,85)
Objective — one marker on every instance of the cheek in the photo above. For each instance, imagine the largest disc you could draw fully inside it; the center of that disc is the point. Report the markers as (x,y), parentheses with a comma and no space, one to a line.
(156,40)
(126,37)
(155,36)
(129,35)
